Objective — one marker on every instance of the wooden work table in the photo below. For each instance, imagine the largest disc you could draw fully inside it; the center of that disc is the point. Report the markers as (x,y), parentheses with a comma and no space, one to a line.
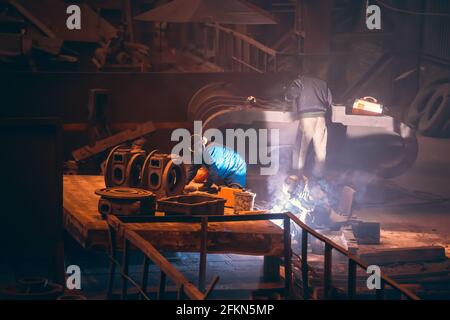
(84,223)
(81,218)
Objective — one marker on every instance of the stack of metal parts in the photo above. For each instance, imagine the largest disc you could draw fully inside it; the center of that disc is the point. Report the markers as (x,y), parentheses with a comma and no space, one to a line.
(135,179)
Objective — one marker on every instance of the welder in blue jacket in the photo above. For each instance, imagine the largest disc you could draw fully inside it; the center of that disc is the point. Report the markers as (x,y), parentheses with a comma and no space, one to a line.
(225,166)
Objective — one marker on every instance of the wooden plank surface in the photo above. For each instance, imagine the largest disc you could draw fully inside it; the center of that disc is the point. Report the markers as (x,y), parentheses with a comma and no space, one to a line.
(82,221)
(403,255)
(81,217)
(249,237)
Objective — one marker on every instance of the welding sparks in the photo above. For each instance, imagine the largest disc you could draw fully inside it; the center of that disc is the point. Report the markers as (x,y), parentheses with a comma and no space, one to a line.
(294,197)
(303,197)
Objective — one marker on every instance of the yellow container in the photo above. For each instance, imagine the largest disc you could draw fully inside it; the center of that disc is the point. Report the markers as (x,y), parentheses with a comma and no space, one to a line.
(367,105)
(228,194)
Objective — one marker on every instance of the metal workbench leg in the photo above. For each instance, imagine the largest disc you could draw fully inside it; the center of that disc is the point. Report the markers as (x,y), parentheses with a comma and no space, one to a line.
(271,269)
(125,261)
(203,254)
(162,286)
(351,282)
(305,264)
(380,292)
(112,261)
(144,281)
(287,256)
(180,294)
(327,269)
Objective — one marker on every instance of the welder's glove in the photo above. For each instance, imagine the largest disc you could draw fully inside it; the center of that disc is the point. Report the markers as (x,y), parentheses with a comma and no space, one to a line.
(190,188)
(208,188)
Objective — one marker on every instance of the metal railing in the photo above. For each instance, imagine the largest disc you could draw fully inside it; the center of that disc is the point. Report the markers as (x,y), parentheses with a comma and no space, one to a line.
(353,262)
(167,269)
(236,51)
(132,239)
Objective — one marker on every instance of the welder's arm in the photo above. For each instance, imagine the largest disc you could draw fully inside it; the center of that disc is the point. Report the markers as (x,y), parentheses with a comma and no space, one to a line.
(213,177)
(192,172)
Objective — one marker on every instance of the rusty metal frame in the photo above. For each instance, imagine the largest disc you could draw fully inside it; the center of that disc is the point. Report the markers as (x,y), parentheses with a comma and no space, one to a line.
(186,289)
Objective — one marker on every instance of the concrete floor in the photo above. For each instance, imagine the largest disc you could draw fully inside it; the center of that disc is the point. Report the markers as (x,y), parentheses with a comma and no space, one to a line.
(413,224)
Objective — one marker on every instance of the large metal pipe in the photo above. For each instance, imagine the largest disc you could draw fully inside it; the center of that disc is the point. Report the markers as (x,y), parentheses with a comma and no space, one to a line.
(392,144)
